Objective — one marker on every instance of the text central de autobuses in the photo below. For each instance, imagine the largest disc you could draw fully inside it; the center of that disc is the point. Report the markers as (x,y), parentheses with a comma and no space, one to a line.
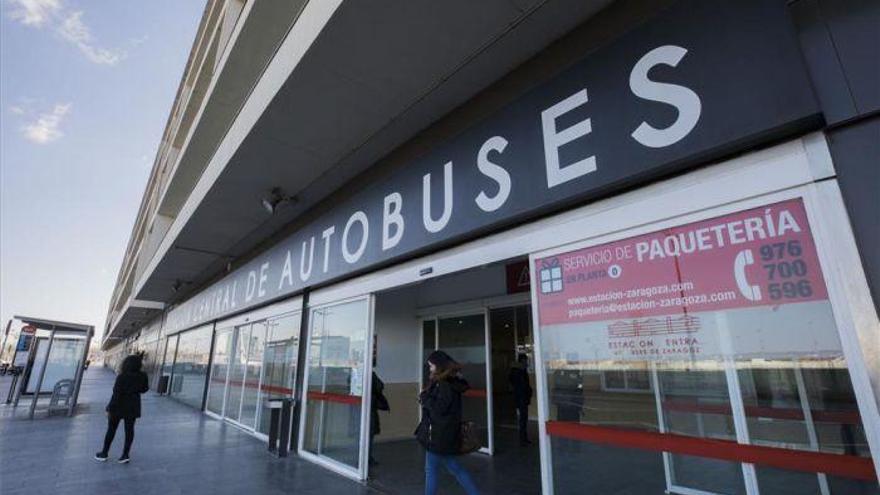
(350,240)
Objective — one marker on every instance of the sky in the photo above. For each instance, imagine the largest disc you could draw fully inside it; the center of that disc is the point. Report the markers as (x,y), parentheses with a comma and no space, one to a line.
(85,90)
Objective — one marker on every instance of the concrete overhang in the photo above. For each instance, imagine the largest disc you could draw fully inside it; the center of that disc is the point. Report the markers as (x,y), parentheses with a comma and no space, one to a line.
(132,317)
(351,82)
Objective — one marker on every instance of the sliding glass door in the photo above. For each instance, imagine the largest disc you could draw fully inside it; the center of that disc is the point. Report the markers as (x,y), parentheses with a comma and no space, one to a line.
(465,338)
(333,426)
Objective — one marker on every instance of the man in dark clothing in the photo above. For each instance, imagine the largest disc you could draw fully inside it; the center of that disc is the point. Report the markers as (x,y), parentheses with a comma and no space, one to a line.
(522,395)
(378,403)
(124,405)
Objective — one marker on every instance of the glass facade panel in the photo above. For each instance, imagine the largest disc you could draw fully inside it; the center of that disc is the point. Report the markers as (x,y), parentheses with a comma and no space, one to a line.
(725,330)
(252,375)
(168,362)
(237,369)
(464,338)
(279,362)
(191,365)
(336,367)
(64,358)
(219,370)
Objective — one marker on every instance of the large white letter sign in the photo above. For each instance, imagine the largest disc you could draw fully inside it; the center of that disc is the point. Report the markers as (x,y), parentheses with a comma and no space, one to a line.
(432,225)
(391,216)
(554,139)
(683,99)
(494,172)
(361,218)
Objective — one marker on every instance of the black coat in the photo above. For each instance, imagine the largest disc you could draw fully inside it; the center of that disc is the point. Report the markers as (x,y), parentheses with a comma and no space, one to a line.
(378,403)
(522,389)
(440,429)
(126,399)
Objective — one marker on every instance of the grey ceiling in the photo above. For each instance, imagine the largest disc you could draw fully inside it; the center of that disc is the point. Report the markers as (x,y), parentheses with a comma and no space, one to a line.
(379,73)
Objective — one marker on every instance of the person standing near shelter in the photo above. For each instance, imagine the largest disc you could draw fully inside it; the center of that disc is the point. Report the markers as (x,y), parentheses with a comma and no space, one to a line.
(522,395)
(440,429)
(124,405)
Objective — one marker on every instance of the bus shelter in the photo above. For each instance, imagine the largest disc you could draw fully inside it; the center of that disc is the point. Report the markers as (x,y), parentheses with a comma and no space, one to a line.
(56,359)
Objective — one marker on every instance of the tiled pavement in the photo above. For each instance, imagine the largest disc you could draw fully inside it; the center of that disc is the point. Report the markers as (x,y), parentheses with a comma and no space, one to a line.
(176,451)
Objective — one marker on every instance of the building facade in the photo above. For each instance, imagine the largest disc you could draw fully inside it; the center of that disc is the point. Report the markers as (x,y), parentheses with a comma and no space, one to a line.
(669,207)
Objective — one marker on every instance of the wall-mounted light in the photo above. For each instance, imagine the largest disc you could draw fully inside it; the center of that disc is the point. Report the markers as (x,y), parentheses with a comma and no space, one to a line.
(275,199)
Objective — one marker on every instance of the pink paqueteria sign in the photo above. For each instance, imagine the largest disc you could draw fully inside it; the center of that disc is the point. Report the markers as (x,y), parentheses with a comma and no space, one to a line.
(759,257)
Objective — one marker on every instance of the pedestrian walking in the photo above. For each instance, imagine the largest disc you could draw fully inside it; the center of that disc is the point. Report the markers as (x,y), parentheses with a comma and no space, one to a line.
(522,395)
(440,429)
(124,406)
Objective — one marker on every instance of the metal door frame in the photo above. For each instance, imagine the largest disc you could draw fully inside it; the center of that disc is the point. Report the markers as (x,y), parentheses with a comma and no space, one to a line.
(490,420)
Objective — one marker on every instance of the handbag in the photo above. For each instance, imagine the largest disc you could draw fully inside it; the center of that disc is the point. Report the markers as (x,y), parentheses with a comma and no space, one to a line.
(470,441)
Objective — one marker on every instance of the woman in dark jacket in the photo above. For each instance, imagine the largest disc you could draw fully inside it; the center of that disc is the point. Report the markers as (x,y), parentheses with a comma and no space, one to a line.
(124,405)
(440,429)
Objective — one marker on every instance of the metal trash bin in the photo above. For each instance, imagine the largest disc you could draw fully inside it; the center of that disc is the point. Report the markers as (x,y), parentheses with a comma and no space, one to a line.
(162,388)
(279,425)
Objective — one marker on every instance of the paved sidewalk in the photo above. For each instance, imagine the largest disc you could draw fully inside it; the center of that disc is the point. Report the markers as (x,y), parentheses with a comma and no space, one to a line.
(177,450)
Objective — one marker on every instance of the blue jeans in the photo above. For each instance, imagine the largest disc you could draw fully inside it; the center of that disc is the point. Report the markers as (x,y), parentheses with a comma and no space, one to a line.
(432,464)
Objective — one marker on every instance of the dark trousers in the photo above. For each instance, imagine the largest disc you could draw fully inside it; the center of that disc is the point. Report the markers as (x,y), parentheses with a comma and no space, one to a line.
(522,413)
(112,425)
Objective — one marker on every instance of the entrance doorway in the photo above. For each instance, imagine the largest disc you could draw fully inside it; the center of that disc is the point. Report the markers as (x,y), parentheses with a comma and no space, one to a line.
(244,376)
(471,316)
(252,363)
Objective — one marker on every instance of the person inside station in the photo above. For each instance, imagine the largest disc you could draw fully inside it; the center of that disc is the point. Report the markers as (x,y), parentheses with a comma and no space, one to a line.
(522,395)
(378,403)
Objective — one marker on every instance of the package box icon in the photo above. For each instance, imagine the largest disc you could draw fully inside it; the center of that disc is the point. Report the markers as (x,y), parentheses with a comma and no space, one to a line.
(551,276)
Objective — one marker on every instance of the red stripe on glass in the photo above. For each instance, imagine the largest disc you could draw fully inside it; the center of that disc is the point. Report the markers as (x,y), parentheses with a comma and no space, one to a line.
(338,398)
(848,466)
(848,417)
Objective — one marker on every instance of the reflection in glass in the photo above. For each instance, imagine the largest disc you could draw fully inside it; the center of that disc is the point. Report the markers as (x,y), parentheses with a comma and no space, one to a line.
(219,370)
(64,358)
(237,370)
(464,338)
(191,366)
(279,363)
(661,352)
(168,362)
(252,370)
(336,368)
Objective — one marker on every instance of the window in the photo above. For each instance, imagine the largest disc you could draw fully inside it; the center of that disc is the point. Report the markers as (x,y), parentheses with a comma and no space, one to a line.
(191,366)
(730,318)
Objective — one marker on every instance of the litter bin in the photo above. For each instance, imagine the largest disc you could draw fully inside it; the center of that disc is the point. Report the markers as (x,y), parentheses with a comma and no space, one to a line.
(279,425)
(163,385)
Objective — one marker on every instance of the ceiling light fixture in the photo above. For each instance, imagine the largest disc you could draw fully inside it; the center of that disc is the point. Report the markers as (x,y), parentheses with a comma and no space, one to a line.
(275,199)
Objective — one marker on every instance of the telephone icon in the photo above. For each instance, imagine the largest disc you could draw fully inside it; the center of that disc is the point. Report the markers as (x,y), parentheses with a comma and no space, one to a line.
(743,259)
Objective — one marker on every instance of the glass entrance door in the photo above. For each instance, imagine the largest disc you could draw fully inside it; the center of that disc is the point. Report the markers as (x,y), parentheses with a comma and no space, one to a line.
(334,426)
(465,338)
(253,363)
(243,392)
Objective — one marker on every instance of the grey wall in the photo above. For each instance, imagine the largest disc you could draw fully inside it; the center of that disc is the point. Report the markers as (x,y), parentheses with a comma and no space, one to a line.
(840,40)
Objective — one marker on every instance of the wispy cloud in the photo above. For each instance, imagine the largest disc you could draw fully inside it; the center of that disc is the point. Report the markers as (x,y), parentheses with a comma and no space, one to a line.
(17,110)
(45,129)
(69,25)
(74,30)
(34,12)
